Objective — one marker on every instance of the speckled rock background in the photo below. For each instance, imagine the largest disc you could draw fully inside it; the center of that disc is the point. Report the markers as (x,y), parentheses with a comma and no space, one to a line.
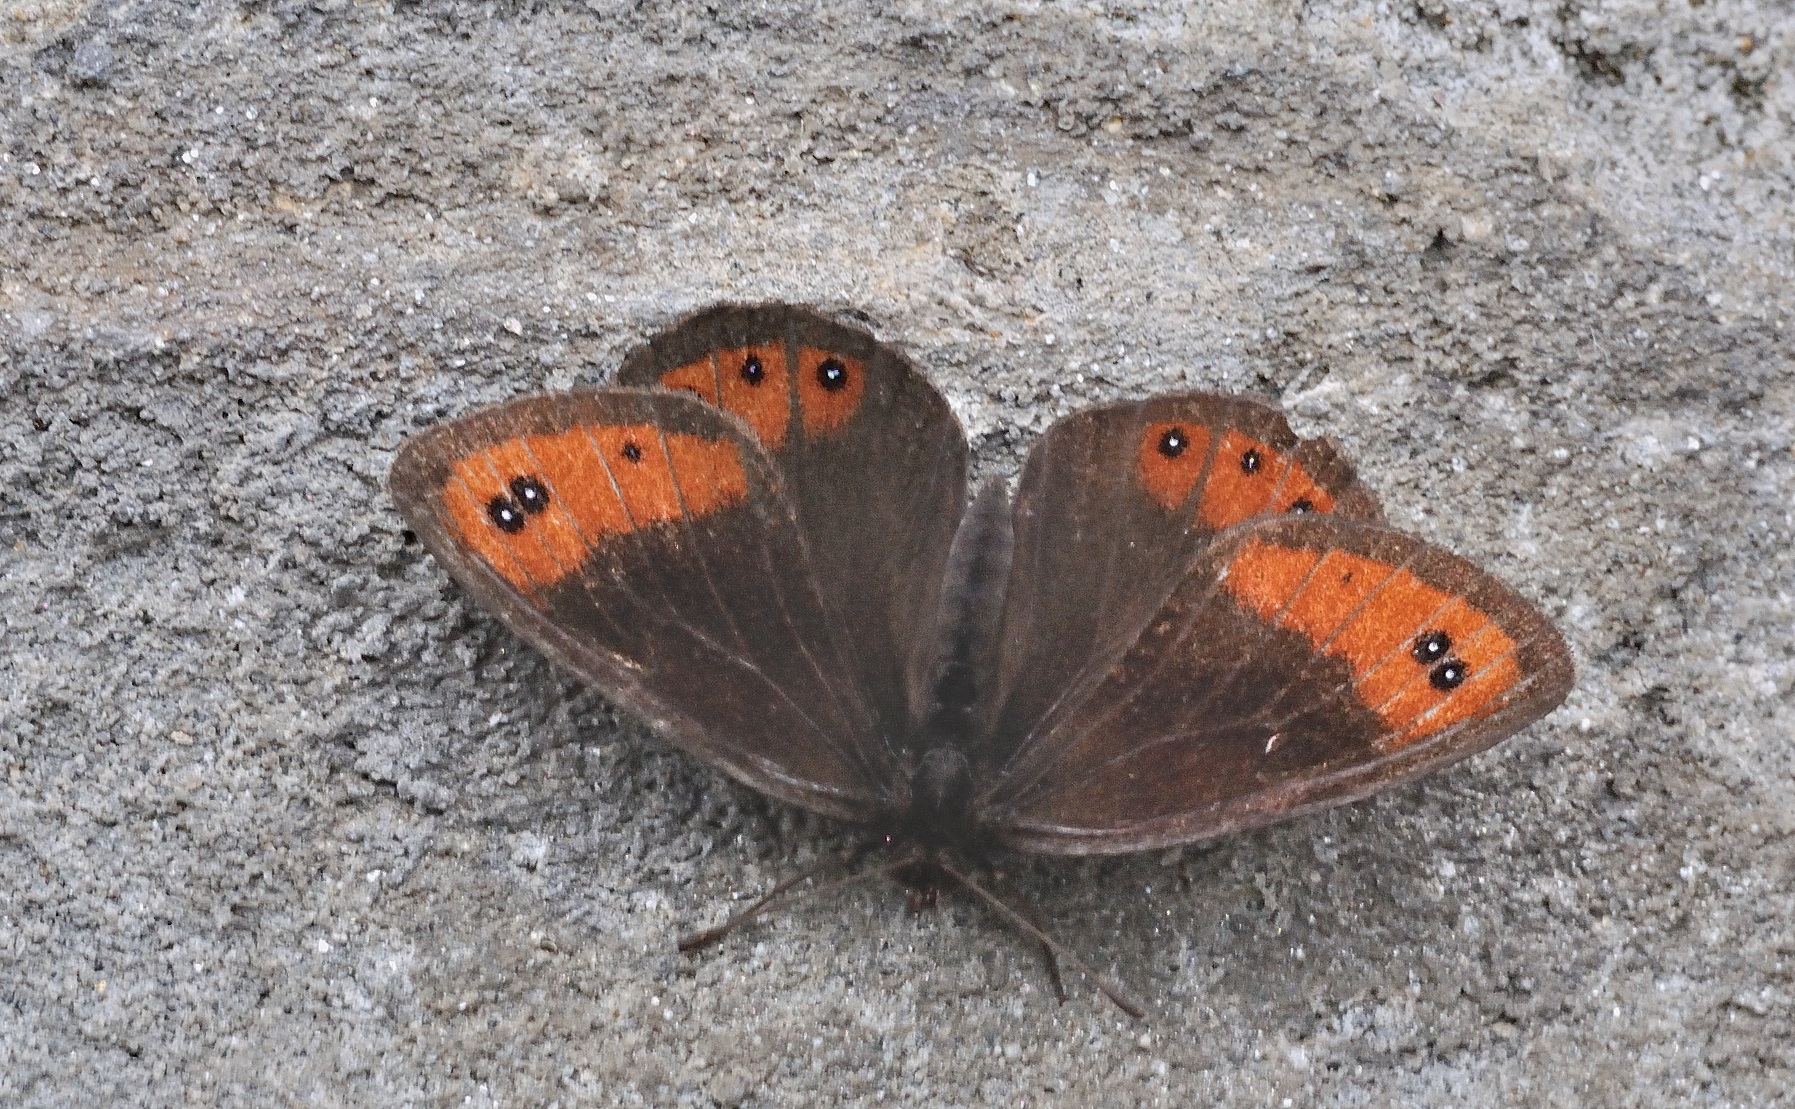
(285,820)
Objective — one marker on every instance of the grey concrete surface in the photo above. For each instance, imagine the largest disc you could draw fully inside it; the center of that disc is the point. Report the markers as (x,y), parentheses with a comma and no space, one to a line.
(285,820)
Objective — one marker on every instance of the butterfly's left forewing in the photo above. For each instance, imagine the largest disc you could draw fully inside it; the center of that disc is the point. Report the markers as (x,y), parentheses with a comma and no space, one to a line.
(643,539)
(1301,662)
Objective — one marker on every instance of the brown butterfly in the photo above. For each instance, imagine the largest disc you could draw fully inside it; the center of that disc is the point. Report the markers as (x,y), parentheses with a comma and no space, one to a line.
(1187,622)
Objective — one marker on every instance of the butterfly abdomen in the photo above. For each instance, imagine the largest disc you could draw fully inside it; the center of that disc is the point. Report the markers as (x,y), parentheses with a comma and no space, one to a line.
(955,670)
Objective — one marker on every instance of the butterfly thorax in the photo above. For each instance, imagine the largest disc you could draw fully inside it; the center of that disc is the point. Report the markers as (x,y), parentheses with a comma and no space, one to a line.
(940,802)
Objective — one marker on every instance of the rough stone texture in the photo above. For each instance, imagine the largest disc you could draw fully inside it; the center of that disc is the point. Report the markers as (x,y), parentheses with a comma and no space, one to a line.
(285,820)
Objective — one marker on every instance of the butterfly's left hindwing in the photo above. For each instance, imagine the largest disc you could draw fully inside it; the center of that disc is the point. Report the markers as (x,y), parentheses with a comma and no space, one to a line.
(871,457)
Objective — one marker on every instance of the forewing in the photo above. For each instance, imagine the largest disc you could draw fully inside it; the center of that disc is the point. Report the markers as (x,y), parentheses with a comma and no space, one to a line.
(643,539)
(1301,662)
(872,458)
(1113,504)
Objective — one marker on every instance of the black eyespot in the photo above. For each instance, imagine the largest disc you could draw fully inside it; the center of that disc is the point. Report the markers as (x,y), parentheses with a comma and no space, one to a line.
(1303,505)
(631,451)
(507,517)
(1173,442)
(1448,675)
(1431,647)
(753,372)
(832,375)
(1250,462)
(529,494)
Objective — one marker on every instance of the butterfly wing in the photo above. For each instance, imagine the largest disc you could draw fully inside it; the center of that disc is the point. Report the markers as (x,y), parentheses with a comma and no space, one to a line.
(643,539)
(872,458)
(1301,662)
(1113,504)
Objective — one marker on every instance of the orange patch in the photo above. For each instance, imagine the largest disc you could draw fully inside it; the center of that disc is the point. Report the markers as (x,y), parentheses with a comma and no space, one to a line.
(552,543)
(594,489)
(1264,577)
(829,389)
(1297,489)
(1376,644)
(1340,584)
(1248,478)
(755,386)
(695,377)
(1369,614)
(467,515)
(1171,460)
(1482,694)
(1488,654)
(709,474)
(1243,478)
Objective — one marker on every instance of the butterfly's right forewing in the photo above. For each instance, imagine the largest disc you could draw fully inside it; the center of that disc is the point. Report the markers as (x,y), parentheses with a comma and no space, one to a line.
(1300,663)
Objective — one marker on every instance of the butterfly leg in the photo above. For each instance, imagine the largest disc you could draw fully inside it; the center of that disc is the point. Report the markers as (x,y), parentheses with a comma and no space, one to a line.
(703,938)
(1027,909)
(1123,1002)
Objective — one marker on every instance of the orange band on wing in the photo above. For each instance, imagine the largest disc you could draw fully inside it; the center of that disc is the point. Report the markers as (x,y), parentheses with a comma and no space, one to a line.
(1171,460)
(1492,669)
(696,377)
(829,389)
(533,508)
(1376,617)
(708,473)
(1248,478)
(756,386)
(1339,584)
(1266,577)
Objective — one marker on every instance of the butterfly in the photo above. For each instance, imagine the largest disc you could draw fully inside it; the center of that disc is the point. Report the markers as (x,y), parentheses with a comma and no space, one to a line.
(1185,622)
